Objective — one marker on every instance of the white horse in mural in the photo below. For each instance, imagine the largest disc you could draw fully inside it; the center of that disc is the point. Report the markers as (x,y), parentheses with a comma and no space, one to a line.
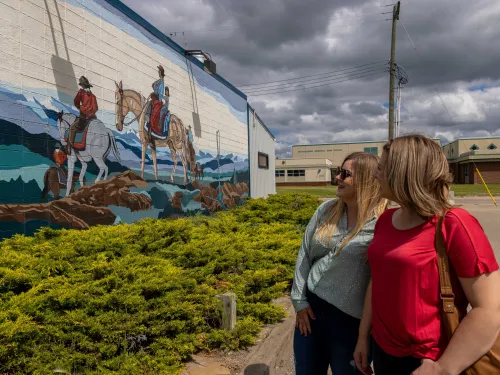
(99,143)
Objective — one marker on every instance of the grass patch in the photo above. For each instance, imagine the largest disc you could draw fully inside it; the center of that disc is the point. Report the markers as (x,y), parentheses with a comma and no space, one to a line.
(475,190)
(329,191)
(316,191)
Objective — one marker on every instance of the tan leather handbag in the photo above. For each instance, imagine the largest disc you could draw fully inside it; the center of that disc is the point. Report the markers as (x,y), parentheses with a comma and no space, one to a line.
(488,364)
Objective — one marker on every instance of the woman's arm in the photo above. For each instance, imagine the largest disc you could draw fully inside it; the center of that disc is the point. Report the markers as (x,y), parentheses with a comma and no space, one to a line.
(479,329)
(363,345)
(476,333)
(299,286)
(365,326)
(304,262)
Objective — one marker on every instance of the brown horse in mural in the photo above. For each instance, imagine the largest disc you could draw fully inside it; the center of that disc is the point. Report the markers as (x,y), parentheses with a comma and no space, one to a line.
(177,140)
(51,182)
(198,171)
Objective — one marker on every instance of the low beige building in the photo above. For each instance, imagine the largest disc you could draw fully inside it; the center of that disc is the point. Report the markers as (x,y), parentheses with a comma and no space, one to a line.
(336,152)
(465,154)
(317,164)
(312,172)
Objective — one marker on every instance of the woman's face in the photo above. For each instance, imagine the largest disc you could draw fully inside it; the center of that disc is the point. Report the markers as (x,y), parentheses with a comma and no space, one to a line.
(345,178)
(380,176)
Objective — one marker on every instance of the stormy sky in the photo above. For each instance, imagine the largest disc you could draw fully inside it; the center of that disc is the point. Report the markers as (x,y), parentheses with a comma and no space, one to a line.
(316,70)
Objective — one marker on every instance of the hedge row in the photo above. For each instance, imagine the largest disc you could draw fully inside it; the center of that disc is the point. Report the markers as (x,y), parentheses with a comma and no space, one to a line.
(140,298)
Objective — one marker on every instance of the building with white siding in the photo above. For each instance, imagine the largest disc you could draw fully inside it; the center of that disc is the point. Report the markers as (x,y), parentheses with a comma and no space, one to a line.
(262,157)
(205,155)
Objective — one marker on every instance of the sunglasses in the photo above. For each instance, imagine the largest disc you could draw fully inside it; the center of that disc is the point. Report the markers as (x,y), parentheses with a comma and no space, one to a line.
(344,173)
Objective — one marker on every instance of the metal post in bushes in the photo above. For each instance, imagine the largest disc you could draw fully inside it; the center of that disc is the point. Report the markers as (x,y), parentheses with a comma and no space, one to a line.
(228,309)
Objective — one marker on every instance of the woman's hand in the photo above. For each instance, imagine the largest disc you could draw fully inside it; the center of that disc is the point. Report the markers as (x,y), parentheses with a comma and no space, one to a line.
(302,320)
(361,356)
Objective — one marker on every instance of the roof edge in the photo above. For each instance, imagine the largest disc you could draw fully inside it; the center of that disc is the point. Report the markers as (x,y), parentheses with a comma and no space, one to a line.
(469,139)
(345,143)
(165,39)
(262,122)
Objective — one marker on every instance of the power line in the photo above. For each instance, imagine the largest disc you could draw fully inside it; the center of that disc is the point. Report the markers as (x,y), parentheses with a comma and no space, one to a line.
(326,84)
(418,53)
(314,80)
(449,115)
(174,32)
(314,75)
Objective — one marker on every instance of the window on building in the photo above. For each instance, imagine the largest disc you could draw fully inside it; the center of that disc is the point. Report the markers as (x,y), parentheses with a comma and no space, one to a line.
(296,173)
(263,160)
(492,147)
(474,147)
(279,173)
(372,150)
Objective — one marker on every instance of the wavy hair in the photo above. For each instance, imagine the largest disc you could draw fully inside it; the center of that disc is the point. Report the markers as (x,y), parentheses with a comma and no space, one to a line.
(370,203)
(418,174)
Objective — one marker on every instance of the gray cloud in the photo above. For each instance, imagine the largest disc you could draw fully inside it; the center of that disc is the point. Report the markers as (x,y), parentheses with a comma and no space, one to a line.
(268,40)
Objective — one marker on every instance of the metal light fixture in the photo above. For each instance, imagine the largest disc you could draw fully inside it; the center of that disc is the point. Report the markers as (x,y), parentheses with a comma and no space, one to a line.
(209,65)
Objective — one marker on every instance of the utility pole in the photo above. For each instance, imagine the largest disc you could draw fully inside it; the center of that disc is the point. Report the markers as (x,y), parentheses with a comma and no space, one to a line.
(395,17)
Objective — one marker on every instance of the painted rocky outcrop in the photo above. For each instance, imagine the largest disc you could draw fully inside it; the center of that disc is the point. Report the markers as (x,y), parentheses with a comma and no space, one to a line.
(232,196)
(85,207)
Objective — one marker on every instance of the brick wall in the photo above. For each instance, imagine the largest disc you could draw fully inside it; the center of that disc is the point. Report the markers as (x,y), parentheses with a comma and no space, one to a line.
(490,172)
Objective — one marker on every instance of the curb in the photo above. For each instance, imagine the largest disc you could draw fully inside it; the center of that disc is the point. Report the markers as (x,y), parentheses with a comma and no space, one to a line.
(264,356)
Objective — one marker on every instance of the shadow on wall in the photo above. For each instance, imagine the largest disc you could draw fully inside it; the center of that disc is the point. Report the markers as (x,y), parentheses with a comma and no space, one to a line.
(64,73)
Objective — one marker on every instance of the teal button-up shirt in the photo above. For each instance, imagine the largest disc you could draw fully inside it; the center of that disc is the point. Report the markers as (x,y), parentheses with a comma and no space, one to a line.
(340,279)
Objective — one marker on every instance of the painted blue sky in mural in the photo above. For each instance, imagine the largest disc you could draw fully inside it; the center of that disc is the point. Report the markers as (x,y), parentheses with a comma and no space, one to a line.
(236,104)
(37,120)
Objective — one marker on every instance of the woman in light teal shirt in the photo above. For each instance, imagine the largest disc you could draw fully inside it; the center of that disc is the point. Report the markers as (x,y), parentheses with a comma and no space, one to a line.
(332,272)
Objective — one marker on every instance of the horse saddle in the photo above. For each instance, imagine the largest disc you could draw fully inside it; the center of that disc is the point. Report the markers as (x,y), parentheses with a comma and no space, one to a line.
(61,174)
(165,122)
(80,137)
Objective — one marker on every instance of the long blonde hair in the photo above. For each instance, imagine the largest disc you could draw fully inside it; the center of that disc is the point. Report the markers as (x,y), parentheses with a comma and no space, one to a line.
(368,198)
(418,174)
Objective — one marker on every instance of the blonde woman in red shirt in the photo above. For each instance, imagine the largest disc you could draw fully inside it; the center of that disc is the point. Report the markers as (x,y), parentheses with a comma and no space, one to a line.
(402,305)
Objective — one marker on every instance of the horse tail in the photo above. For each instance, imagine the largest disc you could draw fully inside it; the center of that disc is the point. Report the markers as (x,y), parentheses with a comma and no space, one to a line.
(114,147)
(45,184)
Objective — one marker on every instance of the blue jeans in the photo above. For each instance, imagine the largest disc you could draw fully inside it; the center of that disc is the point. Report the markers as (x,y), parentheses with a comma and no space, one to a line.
(331,342)
(386,364)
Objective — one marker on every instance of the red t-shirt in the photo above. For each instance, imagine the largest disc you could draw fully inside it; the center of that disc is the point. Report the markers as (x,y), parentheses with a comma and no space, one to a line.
(405,280)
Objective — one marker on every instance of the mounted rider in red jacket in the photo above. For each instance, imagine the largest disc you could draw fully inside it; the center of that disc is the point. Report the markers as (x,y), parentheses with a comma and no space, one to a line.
(86,102)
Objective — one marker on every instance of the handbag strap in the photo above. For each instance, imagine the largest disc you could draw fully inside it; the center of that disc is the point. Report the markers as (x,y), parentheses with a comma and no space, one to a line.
(446,290)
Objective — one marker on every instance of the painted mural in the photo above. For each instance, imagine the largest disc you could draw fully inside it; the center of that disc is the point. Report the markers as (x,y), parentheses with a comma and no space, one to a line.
(109,135)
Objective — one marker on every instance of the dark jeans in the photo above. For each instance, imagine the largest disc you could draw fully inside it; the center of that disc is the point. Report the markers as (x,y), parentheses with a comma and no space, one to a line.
(386,364)
(331,342)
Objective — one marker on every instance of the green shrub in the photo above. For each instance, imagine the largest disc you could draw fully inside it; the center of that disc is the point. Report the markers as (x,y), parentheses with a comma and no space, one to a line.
(140,298)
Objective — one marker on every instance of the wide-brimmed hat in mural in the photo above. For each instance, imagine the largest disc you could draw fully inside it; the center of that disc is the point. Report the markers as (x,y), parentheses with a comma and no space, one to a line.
(84,82)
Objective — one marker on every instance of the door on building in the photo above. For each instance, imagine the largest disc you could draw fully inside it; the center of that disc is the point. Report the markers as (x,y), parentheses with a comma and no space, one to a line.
(466,173)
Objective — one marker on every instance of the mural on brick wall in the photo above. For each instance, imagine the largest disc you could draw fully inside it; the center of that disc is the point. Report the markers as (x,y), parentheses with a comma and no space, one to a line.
(98,123)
